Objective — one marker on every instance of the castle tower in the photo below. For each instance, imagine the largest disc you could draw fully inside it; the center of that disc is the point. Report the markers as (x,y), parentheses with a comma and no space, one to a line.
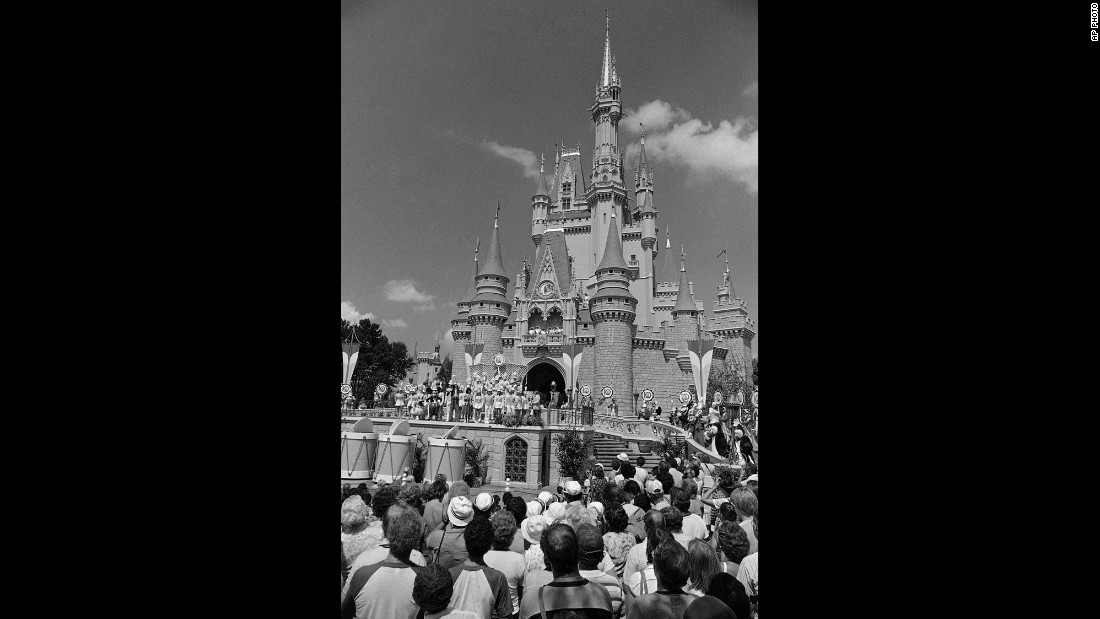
(607,194)
(685,317)
(490,307)
(540,204)
(613,311)
(643,193)
(733,327)
(460,324)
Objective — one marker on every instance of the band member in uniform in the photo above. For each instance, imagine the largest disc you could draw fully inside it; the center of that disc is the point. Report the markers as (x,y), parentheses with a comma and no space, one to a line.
(399,400)
(498,406)
(479,404)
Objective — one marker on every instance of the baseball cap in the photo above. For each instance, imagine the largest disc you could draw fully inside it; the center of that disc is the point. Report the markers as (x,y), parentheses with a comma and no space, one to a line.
(572,487)
(654,487)
(460,512)
(623,457)
(483,501)
(532,527)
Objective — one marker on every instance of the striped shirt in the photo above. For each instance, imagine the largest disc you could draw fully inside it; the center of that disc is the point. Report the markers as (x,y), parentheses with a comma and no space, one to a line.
(748,571)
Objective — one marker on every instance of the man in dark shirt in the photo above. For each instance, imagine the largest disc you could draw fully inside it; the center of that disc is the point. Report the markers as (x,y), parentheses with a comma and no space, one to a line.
(670,565)
(569,591)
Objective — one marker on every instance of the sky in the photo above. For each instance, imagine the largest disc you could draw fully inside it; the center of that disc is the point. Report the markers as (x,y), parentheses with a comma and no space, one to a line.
(445,108)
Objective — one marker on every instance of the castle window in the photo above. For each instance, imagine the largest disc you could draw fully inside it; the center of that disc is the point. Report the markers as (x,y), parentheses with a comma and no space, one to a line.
(515,459)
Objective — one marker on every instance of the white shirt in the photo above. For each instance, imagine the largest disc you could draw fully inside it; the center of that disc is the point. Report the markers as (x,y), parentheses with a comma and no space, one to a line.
(695,527)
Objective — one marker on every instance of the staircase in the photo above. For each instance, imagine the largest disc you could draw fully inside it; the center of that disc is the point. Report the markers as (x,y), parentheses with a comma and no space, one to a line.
(608,447)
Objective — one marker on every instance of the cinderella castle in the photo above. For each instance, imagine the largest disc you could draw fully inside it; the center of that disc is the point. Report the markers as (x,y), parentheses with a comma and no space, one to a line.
(603,304)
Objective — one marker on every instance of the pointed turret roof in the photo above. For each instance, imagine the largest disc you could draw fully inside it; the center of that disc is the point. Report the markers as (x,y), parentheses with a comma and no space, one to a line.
(471,288)
(607,68)
(683,297)
(541,190)
(613,250)
(669,272)
(493,264)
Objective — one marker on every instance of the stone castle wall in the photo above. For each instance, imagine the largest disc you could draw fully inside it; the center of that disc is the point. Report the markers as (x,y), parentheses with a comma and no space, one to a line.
(652,371)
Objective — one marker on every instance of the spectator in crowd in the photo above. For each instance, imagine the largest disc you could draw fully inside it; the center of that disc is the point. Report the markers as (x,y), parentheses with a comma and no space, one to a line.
(504,498)
(384,590)
(727,512)
(744,503)
(483,505)
(691,486)
(751,484)
(569,591)
(631,488)
(597,509)
(518,510)
(732,593)
(668,483)
(674,470)
(641,474)
(380,552)
(656,491)
(590,543)
(733,546)
(363,493)
(534,508)
(599,488)
(535,562)
(718,495)
(411,494)
(433,508)
(644,580)
(670,567)
(555,512)
(674,522)
(447,546)
(479,588)
(747,574)
(643,503)
(501,557)
(702,565)
(576,515)
(356,534)
(626,470)
(709,607)
(545,499)
(432,592)
(636,558)
(745,444)
(573,492)
(345,492)
(694,527)
(617,541)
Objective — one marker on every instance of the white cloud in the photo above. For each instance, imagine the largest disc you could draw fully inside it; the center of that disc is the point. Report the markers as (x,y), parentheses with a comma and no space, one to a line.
(352,315)
(427,307)
(404,291)
(729,150)
(522,156)
(395,324)
(751,89)
(655,115)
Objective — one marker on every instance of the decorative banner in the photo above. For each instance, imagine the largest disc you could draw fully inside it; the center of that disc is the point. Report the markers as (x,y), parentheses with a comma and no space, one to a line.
(701,352)
(608,392)
(499,360)
(380,389)
(586,390)
(571,356)
(350,352)
(754,394)
(473,355)
(345,389)
(647,395)
(685,396)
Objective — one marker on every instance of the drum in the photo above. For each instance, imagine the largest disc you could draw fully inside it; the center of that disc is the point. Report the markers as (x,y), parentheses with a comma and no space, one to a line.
(447,456)
(396,452)
(357,450)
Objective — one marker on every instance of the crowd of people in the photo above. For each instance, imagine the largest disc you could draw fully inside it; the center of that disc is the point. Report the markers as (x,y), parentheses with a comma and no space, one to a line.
(676,541)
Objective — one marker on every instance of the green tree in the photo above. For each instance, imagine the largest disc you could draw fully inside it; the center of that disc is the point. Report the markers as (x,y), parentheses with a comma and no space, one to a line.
(445,371)
(380,361)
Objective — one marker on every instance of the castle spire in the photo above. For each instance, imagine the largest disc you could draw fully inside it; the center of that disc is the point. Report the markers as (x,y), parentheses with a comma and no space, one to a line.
(494,265)
(613,250)
(683,297)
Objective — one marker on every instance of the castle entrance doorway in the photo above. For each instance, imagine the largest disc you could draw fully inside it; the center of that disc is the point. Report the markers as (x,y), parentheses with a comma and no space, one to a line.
(541,375)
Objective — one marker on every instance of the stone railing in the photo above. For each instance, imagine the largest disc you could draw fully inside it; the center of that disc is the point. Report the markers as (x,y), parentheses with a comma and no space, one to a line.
(628,428)
(544,338)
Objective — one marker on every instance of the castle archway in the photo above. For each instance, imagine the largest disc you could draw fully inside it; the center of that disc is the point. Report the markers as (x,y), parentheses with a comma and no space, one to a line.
(541,373)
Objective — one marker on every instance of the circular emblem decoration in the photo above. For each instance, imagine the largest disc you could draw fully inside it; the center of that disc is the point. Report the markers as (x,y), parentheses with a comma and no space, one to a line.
(586,390)
(540,339)
(685,396)
(647,395)
(546,289)
(499,359)
(739,398)
(380,389)
(345,389)
(608,391)
(409,389)
(719,397)
(754,395)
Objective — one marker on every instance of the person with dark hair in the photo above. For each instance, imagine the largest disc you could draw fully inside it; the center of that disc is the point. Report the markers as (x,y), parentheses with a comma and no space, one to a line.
(709,607)
(719,494)
(362,491)
(432,591)
(733,546)
(501,557)
(617,541)
(590,544)
(641,474)
(748,574)
(479,588)
(694,527)
(645,579)
(670,567)
(668,483)
(655,490)
(383,590)
(702,564)
(517,508)
(674,521)
(674,470)
(433,508)
(569,592)
(383,549)
(504,498)
(636,558)
(732,593)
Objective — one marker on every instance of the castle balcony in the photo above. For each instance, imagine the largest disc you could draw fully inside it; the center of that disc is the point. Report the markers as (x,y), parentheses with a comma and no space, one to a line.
(530,343)
(634,267)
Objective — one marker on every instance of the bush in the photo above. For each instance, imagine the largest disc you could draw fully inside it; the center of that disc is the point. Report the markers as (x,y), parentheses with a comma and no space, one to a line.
(573,450)
(477,458)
